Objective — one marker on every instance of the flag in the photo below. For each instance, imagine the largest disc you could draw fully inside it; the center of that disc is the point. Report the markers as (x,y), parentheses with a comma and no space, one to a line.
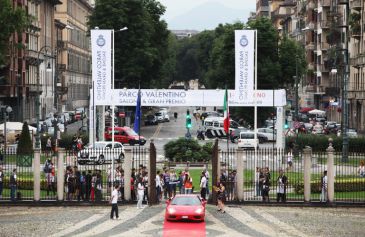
(226,113)
(137,116)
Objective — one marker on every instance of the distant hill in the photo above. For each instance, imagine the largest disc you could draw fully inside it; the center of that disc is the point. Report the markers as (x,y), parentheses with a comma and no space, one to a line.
(208,16)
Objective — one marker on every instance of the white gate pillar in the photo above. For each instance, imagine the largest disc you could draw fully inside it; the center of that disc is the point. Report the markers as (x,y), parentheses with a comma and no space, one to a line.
(240,176)
(127,173)
(280,138)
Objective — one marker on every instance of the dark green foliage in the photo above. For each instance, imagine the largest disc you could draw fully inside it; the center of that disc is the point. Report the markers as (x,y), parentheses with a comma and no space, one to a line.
(350,185)
(320,143)
(187,150)
(67,139)
(142,50)
(25,146)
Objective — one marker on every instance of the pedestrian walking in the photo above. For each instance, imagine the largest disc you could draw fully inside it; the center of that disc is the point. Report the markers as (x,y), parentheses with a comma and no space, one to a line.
(324,186)
(114,202)
(140,188)
(13,185)
(1,182)
(282,182)
(203,186)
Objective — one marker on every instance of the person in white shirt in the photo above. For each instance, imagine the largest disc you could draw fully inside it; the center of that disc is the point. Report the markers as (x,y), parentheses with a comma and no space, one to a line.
(207,176)
(140,191)
(158,187)
(324,184)
(203,186)
(114,202)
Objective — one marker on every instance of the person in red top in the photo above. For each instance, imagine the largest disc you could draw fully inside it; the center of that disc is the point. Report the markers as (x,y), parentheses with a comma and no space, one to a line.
(188,184)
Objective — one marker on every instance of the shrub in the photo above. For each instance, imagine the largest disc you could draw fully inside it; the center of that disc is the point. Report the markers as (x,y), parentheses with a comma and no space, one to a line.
(182,150)
(67,139)
(351,185)
(25,146)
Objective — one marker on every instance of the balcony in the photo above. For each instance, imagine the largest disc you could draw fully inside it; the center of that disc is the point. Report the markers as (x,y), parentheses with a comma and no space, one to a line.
(325,24)
(358,61)
(326,3)
(62,45)
(355,5)
(61,67)
(323,68)
(31,57)
(309,46)
(325,46)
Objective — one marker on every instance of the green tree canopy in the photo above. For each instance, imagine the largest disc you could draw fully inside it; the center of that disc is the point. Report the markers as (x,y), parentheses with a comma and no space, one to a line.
(141,51)
(25,146)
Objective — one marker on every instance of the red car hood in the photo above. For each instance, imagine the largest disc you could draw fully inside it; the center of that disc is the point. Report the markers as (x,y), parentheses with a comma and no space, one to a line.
(181,210)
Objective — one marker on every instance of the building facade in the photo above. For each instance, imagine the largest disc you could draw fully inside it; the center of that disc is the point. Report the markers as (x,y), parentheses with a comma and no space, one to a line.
(75,53)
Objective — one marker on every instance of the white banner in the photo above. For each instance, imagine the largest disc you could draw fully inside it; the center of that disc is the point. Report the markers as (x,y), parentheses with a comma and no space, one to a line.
(101,65)
(245,56)
(162,97)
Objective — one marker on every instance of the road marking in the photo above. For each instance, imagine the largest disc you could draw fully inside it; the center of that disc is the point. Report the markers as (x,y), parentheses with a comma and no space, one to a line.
(248,220)
(220,227)
(157,131)
(110,224)
(282,225)
(79,225)
(143,226)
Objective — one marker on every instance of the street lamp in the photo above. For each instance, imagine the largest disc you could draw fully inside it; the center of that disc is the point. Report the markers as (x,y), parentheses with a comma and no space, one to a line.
(45,48)
(7,111)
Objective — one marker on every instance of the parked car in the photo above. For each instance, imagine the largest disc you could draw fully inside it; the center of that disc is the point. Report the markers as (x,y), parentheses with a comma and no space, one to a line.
(100,153)
(234,136)
(352,133)
(150,120)
(267,132)
(185,207)
(210,114)
(318,129)
(331,128)
(247,140)
(162,116)
(124,135)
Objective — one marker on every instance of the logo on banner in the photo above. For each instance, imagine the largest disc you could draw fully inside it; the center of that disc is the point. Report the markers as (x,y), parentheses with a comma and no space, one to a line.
(100,41)
(244,41)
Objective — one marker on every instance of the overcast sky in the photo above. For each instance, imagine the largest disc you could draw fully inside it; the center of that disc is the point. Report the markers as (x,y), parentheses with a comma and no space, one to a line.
(176,8)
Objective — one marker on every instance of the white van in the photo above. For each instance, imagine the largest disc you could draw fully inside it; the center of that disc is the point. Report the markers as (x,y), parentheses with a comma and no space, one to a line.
(214,127)
(247,140)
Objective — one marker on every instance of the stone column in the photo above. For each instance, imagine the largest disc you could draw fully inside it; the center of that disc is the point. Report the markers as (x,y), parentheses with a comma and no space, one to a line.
(127,173)
(240,176)
(37,175)
(330,173)
(307,173)
(60,174)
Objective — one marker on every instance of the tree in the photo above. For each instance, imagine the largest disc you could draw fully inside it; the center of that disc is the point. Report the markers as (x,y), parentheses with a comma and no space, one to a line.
(141,51)
(187,150)
(12,20)
(25,146)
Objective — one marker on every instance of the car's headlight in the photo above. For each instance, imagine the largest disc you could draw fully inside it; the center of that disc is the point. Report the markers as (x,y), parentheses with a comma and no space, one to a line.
(199,211)
(171,210)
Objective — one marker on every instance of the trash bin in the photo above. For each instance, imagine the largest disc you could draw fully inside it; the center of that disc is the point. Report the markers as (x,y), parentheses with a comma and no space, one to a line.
(24,160)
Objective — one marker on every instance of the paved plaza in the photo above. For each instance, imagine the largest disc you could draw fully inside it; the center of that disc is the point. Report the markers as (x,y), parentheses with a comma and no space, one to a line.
(237,221)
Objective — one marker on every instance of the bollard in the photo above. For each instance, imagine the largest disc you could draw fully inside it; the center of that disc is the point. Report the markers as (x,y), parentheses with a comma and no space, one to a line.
(330,173)
(127,173)
(240,176)
(60,174)
(37,175)
(307,173)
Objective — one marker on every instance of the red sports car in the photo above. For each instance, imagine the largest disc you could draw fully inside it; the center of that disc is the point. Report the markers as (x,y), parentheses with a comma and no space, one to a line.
(185,207)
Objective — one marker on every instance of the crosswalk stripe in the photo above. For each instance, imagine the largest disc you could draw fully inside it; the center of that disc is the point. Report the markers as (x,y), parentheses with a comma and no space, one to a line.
(143,226)
(219,226)
(247,219)
(282,225)
(110,224)
(79,225)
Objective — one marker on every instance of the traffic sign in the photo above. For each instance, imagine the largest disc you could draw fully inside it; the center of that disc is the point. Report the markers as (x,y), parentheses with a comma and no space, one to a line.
(121,114)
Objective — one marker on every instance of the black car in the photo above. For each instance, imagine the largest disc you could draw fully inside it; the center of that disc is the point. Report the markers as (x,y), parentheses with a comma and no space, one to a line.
(236,133)
(150,120)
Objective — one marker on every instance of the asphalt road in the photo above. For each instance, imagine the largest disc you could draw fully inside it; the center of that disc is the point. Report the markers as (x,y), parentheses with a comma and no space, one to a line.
(266,221)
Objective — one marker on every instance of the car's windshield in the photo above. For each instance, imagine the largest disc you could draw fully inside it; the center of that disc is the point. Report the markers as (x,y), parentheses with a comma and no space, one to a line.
(131,132)
(186,201)
(247,136)
(99,145)
(158,114)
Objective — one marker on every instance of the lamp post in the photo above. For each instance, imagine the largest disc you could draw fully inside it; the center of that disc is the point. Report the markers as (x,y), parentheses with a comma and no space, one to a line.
(44,48)
(7,111)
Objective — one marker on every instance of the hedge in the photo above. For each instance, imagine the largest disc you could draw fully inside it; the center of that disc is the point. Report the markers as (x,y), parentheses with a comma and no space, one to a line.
(320,142)
(340,186)
(26,184)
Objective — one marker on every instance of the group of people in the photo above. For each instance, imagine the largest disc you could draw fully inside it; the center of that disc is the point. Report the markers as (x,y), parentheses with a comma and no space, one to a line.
(83,186)
(263,184)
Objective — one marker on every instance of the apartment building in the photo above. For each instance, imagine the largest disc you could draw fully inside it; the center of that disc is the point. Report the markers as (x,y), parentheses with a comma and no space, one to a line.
(262,8)
(75,53)
(356,88)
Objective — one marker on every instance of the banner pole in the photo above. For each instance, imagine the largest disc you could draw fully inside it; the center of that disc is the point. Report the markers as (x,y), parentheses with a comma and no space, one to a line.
(112,103)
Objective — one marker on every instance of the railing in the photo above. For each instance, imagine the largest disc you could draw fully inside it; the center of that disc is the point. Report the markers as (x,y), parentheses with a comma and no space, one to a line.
(358,60)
